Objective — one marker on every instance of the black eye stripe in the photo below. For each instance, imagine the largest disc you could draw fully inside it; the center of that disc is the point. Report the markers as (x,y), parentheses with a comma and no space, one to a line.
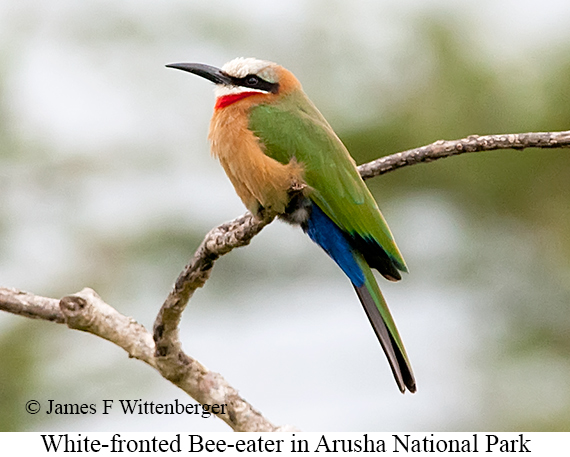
(255,82)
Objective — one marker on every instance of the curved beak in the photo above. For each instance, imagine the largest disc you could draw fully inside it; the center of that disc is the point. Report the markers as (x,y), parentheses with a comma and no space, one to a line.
(205,71)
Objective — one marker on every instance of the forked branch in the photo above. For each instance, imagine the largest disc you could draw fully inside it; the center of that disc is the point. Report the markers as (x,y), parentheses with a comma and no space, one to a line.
(162,350)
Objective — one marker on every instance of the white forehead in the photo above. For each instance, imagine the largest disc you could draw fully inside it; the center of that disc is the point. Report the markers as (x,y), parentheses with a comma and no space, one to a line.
(242,67)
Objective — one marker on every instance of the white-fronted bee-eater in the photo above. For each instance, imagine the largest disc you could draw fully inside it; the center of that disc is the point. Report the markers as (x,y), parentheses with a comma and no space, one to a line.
(283,157)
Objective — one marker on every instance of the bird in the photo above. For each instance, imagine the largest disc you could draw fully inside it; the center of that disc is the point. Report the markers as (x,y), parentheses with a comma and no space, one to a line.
(284,158)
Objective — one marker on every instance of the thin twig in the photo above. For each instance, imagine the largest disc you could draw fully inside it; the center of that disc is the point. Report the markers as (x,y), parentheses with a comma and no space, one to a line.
(473,143)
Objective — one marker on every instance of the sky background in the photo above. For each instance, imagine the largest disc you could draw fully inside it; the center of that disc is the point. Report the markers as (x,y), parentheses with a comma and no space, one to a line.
(106,181)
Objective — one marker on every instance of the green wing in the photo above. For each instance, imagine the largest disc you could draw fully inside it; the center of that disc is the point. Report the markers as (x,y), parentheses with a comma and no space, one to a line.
(294,128)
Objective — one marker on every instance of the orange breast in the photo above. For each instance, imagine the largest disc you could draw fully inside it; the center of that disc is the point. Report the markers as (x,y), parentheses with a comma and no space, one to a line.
(259,180)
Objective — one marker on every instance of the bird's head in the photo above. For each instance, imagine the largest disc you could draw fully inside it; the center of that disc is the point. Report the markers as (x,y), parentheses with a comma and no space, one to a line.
(244,77)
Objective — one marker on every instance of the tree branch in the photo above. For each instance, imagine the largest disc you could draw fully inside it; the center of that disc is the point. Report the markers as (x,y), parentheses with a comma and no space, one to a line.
(28,305)
(86,311)
(218,241)
(473,143)
(162,350)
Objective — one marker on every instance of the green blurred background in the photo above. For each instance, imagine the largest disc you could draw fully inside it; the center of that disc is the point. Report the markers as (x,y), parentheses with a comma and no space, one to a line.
(106,181)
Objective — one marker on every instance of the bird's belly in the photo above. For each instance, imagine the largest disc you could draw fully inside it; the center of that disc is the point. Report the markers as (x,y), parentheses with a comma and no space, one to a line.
(298,210)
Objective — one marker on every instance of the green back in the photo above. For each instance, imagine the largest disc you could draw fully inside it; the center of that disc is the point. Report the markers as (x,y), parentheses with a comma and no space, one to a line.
(294,128)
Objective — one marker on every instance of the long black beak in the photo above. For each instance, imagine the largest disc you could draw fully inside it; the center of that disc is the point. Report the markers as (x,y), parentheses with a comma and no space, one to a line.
(205,71)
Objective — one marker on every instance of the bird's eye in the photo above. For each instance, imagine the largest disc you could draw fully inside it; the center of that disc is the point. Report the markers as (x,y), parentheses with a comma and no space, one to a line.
(252,80)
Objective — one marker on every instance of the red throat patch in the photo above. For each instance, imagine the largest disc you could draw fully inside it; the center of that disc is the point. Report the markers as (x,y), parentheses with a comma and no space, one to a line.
(225,100)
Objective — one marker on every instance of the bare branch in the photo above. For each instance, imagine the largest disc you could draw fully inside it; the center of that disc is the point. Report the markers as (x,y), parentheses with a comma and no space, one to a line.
(180,368)
(28,305)
(218,241)
(86,311)
(473,143)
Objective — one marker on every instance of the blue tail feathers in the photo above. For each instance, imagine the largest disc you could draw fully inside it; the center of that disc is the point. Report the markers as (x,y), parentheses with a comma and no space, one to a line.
(323,231)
